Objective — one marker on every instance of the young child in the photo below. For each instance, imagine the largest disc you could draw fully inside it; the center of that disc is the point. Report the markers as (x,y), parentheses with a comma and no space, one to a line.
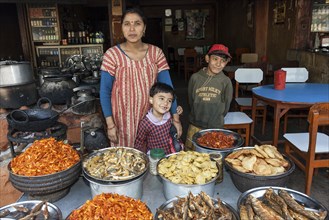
(210,93)
(154,129)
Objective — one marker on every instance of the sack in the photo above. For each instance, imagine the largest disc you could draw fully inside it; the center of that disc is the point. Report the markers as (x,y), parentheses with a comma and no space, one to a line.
(176,144)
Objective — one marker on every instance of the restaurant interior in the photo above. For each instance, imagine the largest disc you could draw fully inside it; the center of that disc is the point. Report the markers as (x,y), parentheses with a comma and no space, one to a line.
(271,38)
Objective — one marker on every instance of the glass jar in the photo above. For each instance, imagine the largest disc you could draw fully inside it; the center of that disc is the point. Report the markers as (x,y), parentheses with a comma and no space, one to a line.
(155,155)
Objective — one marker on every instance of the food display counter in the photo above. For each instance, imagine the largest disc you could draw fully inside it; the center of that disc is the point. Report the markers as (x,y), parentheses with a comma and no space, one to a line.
(152,194)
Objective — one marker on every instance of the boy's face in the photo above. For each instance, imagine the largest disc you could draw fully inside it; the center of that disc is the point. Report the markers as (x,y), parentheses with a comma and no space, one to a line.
(216,63)
(161,103)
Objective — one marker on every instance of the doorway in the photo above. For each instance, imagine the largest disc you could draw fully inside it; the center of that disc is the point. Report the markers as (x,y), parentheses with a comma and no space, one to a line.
(153,34)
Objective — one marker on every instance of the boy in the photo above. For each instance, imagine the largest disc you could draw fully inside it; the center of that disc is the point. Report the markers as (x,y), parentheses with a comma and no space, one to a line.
(210,93)
(154,129)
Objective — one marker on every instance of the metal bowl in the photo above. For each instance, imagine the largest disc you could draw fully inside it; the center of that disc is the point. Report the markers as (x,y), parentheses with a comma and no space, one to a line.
(238,142)
(246,181)
(113,149)
(305,200)
(171,190)
(170,203)
(54,212)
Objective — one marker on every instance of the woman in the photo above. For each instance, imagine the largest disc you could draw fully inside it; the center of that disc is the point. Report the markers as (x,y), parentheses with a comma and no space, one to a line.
(128,71)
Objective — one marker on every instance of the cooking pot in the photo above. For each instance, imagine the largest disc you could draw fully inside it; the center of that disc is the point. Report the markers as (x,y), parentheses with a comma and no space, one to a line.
(84,94)
(58,88)
(17,84)
(95,139)
(47,72)
(37,119)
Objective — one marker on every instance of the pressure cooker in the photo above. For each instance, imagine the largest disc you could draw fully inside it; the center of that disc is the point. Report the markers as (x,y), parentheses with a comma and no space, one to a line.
(17,84)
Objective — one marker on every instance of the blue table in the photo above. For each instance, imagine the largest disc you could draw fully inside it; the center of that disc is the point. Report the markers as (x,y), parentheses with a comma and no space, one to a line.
(294,96)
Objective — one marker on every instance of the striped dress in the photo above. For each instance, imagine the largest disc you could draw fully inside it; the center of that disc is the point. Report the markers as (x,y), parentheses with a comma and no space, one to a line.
(130,92)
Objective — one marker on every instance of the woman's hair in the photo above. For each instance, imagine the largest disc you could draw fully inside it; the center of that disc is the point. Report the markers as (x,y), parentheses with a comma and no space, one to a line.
(134,11)
(161,87)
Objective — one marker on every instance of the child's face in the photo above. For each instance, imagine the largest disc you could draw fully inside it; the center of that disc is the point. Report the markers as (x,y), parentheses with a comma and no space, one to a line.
(215,63)
(161,103)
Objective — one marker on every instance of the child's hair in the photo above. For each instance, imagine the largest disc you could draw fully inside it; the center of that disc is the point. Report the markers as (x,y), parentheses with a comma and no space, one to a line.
(161,87)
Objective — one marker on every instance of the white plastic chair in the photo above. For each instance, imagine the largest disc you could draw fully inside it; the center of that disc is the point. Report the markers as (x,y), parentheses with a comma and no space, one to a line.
(295,75)
(239,121)
(251,77)
(249,57)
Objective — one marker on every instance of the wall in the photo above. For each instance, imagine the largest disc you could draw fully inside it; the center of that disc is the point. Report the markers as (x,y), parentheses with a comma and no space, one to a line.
(10,39)
(233,29)
(156,9)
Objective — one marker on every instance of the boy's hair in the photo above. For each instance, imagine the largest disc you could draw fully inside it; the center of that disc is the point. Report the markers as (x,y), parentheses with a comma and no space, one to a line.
(161,87)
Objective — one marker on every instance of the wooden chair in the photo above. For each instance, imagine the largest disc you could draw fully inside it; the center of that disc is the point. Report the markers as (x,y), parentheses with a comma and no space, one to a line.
(190,62)
(295,75)
(238,52)
(249,58)
(239,121)
(249,78)
(313,146)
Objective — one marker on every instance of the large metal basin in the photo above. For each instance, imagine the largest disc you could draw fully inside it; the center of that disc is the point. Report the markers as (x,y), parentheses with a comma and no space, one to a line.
(131,188)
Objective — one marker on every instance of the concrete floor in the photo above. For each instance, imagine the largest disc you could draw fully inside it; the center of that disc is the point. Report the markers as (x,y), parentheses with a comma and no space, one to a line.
(320,185)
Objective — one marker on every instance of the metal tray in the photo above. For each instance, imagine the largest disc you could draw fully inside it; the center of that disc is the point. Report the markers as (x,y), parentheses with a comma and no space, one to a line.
(303,199)
(170,203)
(238,140)
(113,149)
(54,212)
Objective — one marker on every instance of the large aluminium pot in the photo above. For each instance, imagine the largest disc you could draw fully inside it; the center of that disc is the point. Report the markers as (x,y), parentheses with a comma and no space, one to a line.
(17,84)
(59,89)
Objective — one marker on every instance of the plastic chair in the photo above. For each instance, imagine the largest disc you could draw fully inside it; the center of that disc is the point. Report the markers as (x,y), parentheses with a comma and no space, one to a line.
(249,58)
(311,146)
(250,77)
(239,121)
(295,75)
(190,62)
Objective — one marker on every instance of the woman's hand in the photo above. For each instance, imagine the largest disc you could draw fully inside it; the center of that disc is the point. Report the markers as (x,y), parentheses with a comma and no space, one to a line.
(112,130)
(179,110)
(177,125)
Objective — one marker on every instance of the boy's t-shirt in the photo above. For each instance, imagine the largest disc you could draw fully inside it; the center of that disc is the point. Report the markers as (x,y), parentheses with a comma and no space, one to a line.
(152,133)
(210,98)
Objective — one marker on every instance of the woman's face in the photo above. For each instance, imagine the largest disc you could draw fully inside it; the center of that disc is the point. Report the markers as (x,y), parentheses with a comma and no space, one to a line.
(133,27)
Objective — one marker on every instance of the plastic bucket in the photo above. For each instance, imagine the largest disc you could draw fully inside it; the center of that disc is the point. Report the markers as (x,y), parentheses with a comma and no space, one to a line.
(280,79)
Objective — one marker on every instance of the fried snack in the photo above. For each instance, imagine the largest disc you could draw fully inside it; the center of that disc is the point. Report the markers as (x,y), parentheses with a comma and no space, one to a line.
(177,168)
(264,160)
(112,206)
(299,208)
(278,206)
(199,206)
(45,156)
(215,139)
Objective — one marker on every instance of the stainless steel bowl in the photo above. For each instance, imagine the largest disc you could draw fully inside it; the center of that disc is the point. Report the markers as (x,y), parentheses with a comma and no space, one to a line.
(171,190)
(238,142)
(114,149)
(131,188)
(170,203)
(54,212)
(308,202)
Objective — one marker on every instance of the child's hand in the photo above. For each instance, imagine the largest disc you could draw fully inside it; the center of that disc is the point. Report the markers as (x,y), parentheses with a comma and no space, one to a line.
(179,110)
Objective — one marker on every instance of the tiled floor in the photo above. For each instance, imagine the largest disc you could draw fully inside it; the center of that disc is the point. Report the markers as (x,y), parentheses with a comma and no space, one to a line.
(320,185)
